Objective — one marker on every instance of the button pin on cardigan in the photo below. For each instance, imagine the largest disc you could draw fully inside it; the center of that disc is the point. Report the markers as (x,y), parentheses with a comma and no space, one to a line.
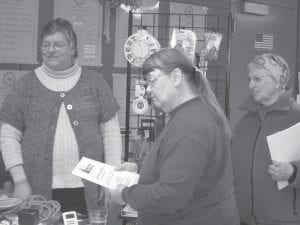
(62,94)
(75,122)
(69,107)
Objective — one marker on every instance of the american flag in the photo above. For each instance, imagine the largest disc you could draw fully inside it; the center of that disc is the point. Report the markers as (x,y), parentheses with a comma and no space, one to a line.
(263,42)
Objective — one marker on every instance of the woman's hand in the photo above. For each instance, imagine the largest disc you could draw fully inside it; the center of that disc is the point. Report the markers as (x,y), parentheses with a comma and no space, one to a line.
(22,189)
(116,194)
(127,166)
(281,171)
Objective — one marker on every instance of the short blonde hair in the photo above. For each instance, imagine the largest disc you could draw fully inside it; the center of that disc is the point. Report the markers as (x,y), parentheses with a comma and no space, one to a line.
(275,64)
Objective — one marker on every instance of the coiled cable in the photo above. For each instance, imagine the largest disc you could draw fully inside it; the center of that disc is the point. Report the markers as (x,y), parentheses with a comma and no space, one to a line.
(49,210)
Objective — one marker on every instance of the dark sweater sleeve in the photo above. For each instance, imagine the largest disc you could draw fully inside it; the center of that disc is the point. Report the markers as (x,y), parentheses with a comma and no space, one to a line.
(12,109)
(183,161)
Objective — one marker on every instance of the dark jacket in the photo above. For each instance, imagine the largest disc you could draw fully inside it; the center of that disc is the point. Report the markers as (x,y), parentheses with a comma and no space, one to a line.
(259,199)
(187,178)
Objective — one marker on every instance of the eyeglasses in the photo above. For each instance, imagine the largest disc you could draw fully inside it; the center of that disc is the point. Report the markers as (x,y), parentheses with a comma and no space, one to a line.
(57,45)
(152,81)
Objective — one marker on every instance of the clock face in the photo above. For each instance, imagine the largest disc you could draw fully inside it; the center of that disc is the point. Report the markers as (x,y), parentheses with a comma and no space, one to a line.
(140,49)
(139,46)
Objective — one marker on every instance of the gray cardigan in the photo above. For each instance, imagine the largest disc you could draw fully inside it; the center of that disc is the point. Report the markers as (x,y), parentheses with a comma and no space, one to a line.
(33,109)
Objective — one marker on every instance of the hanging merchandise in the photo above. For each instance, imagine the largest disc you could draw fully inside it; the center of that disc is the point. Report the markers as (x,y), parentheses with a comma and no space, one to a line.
(212,44)
(134,5)
(202,64)
(184,40)
(139,46)
(149,3)
(209,51)
(140,104)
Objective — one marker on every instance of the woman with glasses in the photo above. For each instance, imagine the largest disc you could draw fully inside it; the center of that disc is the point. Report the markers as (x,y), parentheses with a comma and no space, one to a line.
(55,115)
(270,109)
(187,176)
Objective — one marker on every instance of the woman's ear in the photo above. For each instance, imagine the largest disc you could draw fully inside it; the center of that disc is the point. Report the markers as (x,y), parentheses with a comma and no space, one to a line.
(282,79)
(177,76)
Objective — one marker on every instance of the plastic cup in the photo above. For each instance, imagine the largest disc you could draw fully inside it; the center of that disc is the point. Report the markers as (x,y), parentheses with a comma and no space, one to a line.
(98,216)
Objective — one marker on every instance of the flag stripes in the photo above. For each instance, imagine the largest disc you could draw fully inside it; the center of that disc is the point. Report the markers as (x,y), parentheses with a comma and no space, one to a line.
(263,42)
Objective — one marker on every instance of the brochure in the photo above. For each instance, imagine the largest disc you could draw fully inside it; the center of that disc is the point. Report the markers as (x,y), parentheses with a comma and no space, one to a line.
(104,174)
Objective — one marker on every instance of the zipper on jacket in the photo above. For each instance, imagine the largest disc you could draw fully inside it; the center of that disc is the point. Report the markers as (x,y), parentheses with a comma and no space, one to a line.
(252,168)
(294,201)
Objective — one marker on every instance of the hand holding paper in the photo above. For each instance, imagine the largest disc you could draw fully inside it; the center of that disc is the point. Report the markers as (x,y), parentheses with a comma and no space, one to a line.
(127,166)
(281,171)
(104,174)
(116,194)
(284,146)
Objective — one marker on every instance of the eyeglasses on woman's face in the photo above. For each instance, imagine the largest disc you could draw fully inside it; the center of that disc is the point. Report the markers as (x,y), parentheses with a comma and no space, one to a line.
(59,45)
(152,81)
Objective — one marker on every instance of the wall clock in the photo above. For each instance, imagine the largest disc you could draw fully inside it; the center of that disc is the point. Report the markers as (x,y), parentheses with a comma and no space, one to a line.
(139,46)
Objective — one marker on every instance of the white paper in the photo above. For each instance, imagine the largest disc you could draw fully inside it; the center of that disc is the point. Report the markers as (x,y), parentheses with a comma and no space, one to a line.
(284,146)
(104,174)
(127,211)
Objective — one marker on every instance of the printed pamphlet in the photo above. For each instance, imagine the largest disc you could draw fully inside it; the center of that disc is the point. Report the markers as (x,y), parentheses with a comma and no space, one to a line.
(104,174)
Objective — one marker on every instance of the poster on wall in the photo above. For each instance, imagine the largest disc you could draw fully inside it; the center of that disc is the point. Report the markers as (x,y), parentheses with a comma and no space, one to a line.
(86,18)
(7,80)
(148,21)
(187,16)
(18,31)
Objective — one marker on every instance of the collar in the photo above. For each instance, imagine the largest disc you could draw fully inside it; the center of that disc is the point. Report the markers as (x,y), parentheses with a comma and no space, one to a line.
(61,74)
(282,104)
(183,105)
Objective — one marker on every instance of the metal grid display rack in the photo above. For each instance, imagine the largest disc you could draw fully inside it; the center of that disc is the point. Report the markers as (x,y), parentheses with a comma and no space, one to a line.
(160,25)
